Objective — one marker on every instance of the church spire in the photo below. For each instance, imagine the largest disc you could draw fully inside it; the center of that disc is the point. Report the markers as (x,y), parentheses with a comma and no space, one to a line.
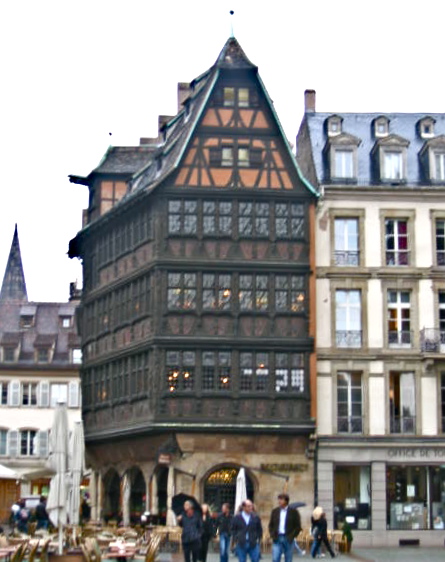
(14,286)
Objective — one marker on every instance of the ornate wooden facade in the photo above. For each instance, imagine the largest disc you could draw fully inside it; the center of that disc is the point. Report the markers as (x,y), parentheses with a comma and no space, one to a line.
(197,280)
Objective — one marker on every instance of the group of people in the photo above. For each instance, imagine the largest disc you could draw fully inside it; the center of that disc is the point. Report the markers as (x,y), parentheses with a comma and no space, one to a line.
(242,533)
(21,516)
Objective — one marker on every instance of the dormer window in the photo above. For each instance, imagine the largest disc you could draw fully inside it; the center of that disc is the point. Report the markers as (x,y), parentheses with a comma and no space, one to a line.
(26,321)
(334,125)
(390,158)
(432,157)
(426,127)
(381,127)
(341,153)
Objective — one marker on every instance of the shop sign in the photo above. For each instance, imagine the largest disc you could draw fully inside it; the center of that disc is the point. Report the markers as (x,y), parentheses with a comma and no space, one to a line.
(416,453)
(164,458)
(285,467)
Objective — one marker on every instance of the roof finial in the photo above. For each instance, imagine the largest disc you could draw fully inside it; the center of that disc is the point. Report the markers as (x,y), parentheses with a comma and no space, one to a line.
(231,23)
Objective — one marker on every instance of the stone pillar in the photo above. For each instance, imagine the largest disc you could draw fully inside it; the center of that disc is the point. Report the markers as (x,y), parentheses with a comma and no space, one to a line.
(171,518)
(154,495)
(100,496)
(378,499)
(326,489)
(93,495)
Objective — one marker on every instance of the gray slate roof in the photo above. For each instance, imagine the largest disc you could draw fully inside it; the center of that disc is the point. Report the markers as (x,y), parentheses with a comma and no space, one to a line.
(360,125)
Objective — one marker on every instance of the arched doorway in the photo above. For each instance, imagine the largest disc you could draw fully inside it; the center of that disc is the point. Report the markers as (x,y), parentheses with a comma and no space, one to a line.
(138,494)
(220,487)
(112,491)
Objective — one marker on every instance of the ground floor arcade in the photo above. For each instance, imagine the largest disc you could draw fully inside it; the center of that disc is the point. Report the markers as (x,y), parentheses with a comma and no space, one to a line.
(133,476)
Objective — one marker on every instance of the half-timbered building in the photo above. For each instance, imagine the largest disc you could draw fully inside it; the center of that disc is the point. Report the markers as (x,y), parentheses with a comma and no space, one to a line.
(196,322)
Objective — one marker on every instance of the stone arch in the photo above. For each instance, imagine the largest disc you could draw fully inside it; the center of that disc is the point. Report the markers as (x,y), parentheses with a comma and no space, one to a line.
(112,492)
(219,485)
(138,493)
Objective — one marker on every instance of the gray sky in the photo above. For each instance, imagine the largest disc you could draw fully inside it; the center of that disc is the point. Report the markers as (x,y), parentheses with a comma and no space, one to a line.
(74,71)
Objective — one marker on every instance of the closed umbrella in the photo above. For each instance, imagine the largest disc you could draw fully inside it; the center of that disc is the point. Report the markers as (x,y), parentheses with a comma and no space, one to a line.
(58,462)
(76,468)
(241,491)
(126,494)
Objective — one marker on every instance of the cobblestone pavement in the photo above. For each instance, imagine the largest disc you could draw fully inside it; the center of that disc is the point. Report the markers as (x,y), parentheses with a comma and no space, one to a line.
(401,554)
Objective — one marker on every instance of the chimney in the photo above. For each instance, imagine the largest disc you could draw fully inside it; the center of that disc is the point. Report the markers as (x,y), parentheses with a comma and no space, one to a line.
(183,93)
(309,101)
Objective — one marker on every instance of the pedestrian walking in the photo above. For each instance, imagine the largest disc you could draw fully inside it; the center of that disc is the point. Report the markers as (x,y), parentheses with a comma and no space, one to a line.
(191,524)
(41,514)
(284,527)
(223,524)
(208,532)
(247,533)
(319,531)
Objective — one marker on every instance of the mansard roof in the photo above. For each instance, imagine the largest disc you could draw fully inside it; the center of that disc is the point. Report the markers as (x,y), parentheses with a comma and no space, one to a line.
(14,285)
(403,126)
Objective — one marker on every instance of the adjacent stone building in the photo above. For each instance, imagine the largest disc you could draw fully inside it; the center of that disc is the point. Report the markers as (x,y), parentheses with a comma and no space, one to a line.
(196,316)
(380,257)
(39,365)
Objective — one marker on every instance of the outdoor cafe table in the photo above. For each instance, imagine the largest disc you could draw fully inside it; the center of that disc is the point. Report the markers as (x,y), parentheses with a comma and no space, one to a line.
(120,550)
(6,552)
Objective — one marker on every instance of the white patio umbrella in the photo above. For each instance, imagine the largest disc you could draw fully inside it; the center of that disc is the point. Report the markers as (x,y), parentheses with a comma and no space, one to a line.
(58,461)
(241,491)
(126,494)
(76,467)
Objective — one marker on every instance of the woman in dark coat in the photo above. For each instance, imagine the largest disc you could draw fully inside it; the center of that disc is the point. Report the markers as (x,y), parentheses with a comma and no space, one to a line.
(319,529)
(208,532)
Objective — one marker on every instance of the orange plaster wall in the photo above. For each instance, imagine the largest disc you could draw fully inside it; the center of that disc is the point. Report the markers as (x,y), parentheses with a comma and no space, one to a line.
(260,121)
(220,176)
(210,119)
(248,177)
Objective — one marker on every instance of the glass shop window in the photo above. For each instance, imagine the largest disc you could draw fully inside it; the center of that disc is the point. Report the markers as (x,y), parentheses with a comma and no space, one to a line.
(352,497)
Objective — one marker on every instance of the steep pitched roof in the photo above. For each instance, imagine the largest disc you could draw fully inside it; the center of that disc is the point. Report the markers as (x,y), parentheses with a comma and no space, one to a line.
(14,286)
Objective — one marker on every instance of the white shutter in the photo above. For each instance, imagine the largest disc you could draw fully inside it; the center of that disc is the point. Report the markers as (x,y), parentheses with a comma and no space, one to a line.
(14,393)
(44,394)
(73,394)
(42,444)
(13,443)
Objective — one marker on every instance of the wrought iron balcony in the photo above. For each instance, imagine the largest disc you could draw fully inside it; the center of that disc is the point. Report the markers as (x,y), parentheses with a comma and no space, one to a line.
(400,339)
(350,424)
(432,340)
(348,338)
(397,257)
(403,424)
(345,258)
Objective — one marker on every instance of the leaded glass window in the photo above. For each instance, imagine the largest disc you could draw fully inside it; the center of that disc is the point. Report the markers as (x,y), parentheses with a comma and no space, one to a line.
(289,220)
(181,292)
(254,371)
(217,291)
(253,219)
(290,294)
(217,218)
(180,367)
(289,372)
(216,370)
(182,216)
(253,292)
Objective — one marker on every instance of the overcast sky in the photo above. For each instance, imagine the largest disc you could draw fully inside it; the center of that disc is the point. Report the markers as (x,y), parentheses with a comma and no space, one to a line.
(74,71)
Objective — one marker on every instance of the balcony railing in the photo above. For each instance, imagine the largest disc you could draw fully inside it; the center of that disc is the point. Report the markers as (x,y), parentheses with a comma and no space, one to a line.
(348,338)
(400,339)
(432,340)
(397,257)
(345,258)
(351,424)
(403,424)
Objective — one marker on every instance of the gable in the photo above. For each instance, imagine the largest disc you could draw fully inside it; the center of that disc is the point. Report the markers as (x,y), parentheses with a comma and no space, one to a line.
(238,142)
